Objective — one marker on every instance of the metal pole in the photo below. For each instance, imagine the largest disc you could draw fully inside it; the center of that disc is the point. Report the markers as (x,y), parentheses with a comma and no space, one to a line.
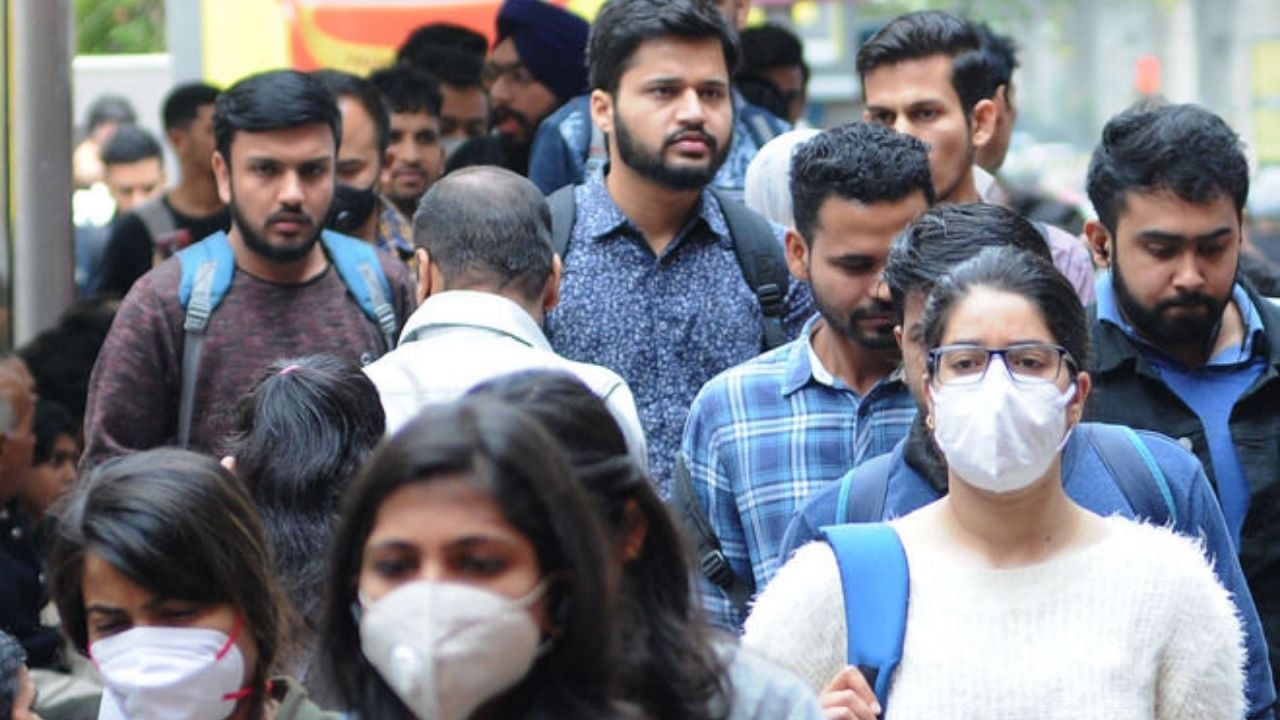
(182,35)
(43,245)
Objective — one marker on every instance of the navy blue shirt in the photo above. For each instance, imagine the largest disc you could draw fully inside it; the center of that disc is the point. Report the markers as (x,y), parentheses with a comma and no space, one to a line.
(667,324)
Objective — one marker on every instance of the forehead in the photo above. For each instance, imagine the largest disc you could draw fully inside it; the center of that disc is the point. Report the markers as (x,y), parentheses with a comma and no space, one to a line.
(1162,211)
(995,318)
(876,224)
(353,113)
(690,59)
(146,167)
(298,143)
(438,512)
(505,52)
(911,81)
(413,120)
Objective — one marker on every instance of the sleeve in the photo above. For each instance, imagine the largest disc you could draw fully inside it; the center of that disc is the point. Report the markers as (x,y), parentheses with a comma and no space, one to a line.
(762,690)
(552,161)
(1072,259)
(1201,664)
(799,619)
(714,491)
(133,389)
(126,258)
(1204,520)
(622,404)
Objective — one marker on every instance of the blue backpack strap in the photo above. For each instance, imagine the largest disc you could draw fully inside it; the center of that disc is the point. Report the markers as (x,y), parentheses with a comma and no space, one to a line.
(864,501)
(358,266)
(1135,472)
(875,581)
(207,269)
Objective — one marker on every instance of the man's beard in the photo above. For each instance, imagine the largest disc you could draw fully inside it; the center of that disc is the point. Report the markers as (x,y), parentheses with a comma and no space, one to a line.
(528,127)
(1157,326)
(259,245)
(652,165)
(946,194)
(848,326)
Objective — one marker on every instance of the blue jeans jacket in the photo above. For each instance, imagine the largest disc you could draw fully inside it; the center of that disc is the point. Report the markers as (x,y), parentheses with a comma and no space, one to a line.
(1087,480)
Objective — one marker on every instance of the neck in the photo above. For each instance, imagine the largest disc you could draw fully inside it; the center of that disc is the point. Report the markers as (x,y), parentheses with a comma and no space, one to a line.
(856,365)
(196,194)
(406,206)
(1230,332)
(369,230)
(965,191)
(1013,529)
(658,211)
(290,273)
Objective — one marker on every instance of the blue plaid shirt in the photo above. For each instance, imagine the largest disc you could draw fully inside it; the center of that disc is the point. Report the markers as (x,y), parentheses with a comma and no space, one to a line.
(765,435)
(666,324)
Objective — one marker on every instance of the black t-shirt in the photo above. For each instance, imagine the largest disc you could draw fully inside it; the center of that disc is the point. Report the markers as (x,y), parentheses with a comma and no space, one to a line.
(129,250)
(489,150)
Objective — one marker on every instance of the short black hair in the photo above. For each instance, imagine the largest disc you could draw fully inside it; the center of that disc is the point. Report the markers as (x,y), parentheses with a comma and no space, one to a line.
(450,66)
(427,39)
(109,108)
(12,658)
(860,161)
(343,84)
(487,227)
(770,46)
(407,89)
(51,420)
(622,25)
(183,103)
(1182,149)
(923,34)
(948,235)
(1001,53)
(1027,275)
(130,144)
(273,100)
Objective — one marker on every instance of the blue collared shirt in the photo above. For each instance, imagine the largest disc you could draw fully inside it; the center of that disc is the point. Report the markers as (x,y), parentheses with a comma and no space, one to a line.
(765,435)
(1211,391)
(666,324)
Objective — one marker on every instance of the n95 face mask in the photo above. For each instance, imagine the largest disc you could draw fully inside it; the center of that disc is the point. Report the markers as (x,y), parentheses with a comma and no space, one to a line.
(445,648)
(997,434)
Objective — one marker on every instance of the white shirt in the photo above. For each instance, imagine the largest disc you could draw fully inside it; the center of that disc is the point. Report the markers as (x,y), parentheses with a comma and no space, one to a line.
(458,339)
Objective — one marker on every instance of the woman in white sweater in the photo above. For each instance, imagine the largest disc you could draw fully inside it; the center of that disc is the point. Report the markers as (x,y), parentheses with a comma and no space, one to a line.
(1022,603)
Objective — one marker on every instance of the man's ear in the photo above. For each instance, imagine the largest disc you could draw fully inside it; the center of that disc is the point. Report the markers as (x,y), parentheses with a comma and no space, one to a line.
(602,111)
(898,336)
(1101,244)
(423,262)
(797,255)
(983,122)
(551,293)
(222,174)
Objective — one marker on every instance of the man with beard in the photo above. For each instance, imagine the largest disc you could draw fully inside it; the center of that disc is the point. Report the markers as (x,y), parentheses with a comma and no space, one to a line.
(653,287)
(359,210)
(536,65)
(765,434)
(276,138)
(926,74)
(415,157)
(1182,344)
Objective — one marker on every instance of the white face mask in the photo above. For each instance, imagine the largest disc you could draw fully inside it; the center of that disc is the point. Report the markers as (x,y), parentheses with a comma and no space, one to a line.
(999,435)
(169,673)
(447,648)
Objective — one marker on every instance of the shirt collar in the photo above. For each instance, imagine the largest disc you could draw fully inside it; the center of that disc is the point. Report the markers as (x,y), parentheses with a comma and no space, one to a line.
(394,230)
(1108,309)
(799,369)
(476,310)
(607,219)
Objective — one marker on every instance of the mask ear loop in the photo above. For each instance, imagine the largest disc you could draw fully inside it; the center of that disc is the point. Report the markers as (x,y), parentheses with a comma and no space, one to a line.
(247,690)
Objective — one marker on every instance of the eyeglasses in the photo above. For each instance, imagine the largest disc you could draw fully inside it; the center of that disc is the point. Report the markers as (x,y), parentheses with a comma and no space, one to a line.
(516,72)
(1025,362)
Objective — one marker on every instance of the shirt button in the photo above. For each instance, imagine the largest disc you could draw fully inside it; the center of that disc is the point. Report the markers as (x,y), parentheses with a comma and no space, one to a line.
(1185,442)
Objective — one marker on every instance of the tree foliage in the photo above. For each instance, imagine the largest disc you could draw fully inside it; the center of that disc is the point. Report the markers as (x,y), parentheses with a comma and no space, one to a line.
(119,26)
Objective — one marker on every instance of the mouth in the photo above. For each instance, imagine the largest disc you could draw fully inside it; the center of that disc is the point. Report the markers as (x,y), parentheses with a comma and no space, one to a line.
(692,144)
(413,176)
(289,225)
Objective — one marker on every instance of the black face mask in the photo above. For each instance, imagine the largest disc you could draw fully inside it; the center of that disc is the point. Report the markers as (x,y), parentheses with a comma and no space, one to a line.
(352,206)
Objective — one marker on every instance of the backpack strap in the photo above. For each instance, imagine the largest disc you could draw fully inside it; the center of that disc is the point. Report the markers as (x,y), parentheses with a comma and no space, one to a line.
(207,268)
(564,211)
(1136,473)
(763,263)
(875,581)
(156,217)
(358,266)
(864,502)
(711,560)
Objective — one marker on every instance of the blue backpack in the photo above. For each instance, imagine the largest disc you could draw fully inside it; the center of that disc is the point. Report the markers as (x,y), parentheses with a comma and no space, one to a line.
(207,269)
(875,581)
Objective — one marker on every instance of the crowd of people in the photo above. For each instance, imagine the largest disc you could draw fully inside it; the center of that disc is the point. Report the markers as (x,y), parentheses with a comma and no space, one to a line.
(566,378)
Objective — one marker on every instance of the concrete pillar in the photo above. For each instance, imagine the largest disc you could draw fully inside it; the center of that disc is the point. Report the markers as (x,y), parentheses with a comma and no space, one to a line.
(41,143)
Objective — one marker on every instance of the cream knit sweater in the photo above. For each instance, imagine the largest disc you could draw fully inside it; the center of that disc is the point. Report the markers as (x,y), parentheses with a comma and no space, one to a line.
(1132,626)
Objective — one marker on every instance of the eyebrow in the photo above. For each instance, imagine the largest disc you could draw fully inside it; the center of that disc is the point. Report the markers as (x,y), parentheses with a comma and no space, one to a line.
(1162,236)
(103,610)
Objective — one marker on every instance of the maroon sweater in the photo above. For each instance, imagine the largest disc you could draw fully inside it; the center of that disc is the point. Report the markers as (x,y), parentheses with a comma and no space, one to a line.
(133,392)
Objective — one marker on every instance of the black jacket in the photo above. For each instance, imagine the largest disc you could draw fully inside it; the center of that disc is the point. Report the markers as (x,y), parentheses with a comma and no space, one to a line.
(1127,390)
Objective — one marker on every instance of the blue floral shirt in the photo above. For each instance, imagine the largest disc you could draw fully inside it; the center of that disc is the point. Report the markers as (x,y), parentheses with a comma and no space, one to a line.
(667,324)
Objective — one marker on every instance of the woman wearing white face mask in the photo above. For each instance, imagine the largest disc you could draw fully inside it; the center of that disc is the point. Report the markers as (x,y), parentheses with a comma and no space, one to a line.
(161,576)
(469,577)
(1021,603)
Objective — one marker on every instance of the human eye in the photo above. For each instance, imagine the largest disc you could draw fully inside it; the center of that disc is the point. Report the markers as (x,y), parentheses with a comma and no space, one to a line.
(479,562)
(105,625)
(394,566)
(176,613)
(882,117)
(264,168)
(925,114)
(520,74)
(663,92)
(449,126)
(1213,248)
(964,360)
(713,93)
(425,137)
(1162,249)
(313,171)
